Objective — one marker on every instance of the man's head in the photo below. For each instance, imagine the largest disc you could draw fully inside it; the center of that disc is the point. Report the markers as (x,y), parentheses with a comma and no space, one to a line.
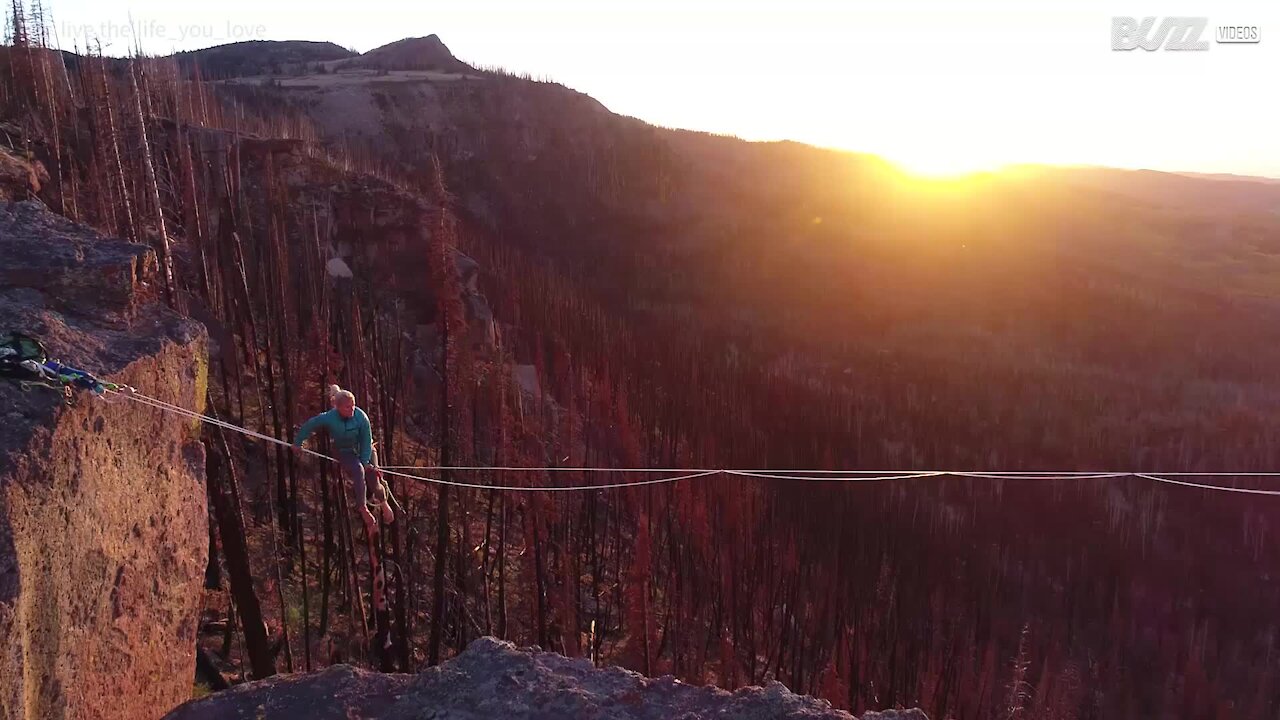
(344,401)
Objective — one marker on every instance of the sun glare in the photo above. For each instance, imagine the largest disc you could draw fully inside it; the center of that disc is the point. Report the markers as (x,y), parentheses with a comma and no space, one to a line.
(942,166)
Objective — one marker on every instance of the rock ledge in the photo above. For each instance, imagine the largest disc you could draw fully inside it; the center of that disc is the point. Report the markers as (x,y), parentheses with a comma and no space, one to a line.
(495,679)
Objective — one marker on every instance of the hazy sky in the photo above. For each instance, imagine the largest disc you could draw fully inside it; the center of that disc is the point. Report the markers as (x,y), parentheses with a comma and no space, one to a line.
(936,84)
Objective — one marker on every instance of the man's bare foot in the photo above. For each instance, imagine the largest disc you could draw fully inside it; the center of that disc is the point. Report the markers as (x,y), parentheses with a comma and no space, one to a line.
(381,494)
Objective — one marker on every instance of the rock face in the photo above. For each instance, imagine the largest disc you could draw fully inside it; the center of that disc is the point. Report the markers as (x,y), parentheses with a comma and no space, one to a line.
(377,232)
(494,679)
(19,179)
(103,536)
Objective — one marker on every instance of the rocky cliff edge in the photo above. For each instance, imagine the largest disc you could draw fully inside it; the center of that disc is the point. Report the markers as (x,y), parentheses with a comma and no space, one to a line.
(103,534)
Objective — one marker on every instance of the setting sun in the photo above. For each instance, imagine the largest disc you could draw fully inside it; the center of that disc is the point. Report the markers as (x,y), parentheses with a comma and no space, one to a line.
(942,166)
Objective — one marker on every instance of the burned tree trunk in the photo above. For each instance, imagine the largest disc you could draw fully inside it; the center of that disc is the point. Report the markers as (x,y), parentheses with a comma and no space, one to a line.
(231,527)
(153,188)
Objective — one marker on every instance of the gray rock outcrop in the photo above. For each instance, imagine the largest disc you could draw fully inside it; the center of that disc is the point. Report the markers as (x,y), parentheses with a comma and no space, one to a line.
(494,679)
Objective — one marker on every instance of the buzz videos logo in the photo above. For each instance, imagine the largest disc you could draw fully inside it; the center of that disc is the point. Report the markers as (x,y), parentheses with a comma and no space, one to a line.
(1176,33)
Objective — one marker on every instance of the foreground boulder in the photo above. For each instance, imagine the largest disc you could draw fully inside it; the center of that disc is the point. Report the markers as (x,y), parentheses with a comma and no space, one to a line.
(103,535)
(494,679)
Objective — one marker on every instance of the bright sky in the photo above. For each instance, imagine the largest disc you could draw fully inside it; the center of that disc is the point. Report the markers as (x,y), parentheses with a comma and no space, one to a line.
(938,85)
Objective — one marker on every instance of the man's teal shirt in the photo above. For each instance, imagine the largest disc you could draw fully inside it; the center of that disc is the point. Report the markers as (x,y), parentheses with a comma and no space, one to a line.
(352,436)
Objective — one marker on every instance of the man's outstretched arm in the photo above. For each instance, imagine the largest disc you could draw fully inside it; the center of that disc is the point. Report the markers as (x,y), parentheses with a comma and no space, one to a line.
(308,428)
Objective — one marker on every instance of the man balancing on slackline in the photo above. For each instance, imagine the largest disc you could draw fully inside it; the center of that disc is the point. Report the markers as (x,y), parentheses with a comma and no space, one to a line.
(349,427)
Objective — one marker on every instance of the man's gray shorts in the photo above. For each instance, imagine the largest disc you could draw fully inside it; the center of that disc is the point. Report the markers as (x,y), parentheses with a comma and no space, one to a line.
(354,470)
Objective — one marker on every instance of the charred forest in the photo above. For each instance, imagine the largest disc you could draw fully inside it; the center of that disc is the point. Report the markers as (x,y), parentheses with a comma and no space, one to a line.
(631,296)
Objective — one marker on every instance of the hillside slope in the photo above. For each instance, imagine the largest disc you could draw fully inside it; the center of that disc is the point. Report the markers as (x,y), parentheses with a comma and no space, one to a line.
(778,305)
(258,57)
